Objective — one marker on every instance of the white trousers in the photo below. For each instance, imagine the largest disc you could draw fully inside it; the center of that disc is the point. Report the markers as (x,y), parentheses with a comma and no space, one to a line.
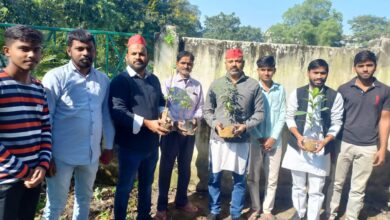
(300,191)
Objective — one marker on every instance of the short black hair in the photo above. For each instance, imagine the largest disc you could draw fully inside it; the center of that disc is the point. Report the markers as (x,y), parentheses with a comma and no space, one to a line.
(314,64)
(266,61)
(80,35)
(364,55)
(185,54)
(23,33)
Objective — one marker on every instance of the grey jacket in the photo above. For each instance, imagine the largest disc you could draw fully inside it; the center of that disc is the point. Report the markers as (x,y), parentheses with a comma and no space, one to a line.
(248,107)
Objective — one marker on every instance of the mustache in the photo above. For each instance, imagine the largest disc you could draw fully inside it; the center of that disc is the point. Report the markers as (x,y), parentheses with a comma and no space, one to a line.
(86,59)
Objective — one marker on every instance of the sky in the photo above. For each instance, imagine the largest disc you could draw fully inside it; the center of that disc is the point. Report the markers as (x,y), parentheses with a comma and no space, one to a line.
(265,13)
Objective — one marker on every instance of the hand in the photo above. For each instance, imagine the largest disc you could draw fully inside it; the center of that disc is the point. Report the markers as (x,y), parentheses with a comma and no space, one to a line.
(180,128)
(379,158)
(155,126)
(52,169)
(194,124)
(269,143)
(37,177)
(106,156)
(320,145)
(239,129)
(219,128)
(300,140)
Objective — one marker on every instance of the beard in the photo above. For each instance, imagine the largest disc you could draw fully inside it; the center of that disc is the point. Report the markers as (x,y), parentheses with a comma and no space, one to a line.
(140,66)
(84,63)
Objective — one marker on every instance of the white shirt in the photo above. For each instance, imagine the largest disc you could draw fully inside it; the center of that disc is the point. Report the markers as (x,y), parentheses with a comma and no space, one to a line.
(315,163)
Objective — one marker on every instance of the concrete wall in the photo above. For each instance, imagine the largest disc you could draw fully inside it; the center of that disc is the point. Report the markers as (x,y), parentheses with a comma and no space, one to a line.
(291,61)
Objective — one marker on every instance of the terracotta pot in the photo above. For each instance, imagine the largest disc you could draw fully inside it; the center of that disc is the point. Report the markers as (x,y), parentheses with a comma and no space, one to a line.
(227,132)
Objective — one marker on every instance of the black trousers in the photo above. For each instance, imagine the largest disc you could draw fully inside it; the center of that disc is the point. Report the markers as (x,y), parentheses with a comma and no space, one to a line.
(175,146)
(18,202)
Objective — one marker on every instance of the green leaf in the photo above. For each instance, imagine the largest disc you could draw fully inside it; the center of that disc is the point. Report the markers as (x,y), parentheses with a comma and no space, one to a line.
(298,113)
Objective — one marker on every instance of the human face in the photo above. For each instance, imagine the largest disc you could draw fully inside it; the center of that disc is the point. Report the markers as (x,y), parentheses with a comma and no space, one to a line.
(82,55)
(23,56)
(184,66)
(266,73)
(137,57)
(317,76)
(235,66)
(365,70)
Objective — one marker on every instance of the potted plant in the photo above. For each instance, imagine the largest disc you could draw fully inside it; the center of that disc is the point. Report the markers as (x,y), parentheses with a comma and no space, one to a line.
(229,99)
(315,100)
(181,98)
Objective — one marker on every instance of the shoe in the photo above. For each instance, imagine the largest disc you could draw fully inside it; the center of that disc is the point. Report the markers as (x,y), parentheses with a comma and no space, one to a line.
(296,217)
(254,216)
(161,215)
(212,216)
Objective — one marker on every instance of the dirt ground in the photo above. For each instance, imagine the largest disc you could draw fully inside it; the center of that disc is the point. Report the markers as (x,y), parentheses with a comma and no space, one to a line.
(102,207)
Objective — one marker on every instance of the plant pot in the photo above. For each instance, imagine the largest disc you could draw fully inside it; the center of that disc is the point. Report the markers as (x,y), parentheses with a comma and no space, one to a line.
(166,121)
(310,144)
(227,132)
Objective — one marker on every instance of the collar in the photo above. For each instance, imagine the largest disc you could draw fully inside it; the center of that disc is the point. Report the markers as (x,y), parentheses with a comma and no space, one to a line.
(132,73)
(74,69)
(375,83)
(274,86)
(177,77)
(242,77)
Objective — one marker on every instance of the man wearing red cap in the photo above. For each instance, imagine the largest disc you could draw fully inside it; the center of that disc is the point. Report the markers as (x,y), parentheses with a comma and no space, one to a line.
(135,102)
(233,107)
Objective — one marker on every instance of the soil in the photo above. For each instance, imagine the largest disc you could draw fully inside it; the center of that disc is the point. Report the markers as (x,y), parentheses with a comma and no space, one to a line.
(102,207)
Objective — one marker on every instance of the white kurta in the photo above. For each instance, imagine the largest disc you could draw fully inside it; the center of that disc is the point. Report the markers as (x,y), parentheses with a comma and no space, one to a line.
(228,156)
(314,163)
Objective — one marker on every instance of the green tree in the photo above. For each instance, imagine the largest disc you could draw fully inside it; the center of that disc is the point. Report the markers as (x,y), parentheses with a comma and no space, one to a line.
(314,22)
(368,27)
(227,27)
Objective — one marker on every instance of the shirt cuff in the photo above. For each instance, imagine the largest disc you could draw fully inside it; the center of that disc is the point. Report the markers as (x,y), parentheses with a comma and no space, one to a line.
(137,123)
(161,109)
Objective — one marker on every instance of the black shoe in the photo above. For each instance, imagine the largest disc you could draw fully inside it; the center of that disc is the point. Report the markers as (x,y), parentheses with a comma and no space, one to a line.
(212,216)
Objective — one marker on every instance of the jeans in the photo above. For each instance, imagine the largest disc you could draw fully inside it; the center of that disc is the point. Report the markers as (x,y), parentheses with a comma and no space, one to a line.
(58,189)
(131,162)
(238,194)
(17,201)
(173,146)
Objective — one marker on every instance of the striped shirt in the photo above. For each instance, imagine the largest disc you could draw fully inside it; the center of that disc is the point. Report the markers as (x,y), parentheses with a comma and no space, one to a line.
(25,132)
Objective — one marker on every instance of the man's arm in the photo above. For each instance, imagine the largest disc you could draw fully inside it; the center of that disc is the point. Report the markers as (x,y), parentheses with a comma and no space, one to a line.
(258,113)
(53,91)
(336,121)
(119,94)
(108,126)
(12,165)
(384,129)
(278,127)
(209,108)
(292,107)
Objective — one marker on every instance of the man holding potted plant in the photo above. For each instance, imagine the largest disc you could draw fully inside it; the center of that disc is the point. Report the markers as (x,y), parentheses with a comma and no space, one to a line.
(185,102)
(314,112)
(233,100)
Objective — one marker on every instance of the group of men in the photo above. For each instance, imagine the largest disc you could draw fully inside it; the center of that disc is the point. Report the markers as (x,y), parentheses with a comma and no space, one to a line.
(56,129)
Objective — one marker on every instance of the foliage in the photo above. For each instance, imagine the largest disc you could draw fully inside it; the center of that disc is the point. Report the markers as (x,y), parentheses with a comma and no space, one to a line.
(367,27)
(229,98)
(316,98)
(313,22)
(227,27)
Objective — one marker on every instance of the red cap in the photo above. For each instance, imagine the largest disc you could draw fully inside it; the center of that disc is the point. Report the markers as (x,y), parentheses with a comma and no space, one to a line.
(233,53)
(136,39)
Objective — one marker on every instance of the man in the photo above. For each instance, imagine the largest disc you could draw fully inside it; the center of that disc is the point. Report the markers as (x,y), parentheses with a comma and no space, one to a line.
(365,133)
(266,143)
(322,122)
(232,99)
(185,103)
(25,134)
(78,102)
(136,100)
